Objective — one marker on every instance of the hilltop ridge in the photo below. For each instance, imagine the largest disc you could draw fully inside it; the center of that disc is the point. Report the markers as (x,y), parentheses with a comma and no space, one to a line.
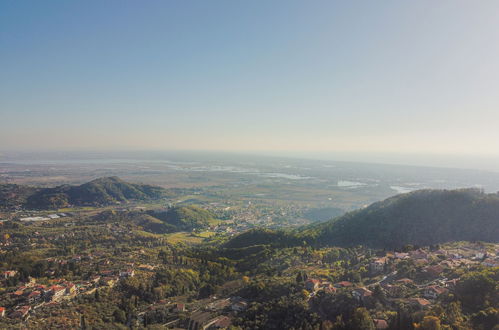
(98,192)
(422,217)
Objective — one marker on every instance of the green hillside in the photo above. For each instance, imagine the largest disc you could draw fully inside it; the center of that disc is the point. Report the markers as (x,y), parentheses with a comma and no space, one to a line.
(102,191)
(12,195)
(422,217)
(185,218)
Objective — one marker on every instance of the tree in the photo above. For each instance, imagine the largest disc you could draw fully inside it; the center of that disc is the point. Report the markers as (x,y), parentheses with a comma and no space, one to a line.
(428,323)
(119,316)
(83,323)
(206,291)
(361,320)
(453,314)
(97,295)
(305,294)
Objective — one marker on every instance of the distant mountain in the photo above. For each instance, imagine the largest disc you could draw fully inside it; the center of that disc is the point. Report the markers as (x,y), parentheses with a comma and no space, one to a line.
(422,217)
(102,191)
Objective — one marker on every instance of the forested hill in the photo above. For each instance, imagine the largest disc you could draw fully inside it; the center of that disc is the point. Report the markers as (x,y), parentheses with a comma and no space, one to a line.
(422,217)
(102,191)
(184,218)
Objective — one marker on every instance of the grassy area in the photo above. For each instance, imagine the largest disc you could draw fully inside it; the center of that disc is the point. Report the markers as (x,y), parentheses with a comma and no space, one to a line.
(206,234)
(184,237)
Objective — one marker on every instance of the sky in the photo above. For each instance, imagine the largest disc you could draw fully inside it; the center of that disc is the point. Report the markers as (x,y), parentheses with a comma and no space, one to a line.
(344,77)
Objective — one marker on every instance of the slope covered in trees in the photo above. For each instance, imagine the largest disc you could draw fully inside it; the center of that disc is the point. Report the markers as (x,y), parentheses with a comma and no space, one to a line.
(185,218)
(12,195)
(422,217)
(102,191)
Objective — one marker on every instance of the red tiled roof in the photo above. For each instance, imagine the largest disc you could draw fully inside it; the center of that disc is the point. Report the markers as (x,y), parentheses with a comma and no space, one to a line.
(420,301)
(380,324)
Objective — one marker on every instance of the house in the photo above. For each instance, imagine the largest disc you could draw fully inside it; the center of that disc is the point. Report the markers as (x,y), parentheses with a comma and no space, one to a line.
(480,255)
(420,302)
(18,293)
(127,273)
(200,320)
(107,273)
(221,322)
(433,291)
(9,273)
(396,290)
(180,307)
(361,293)
(57,291)
(34,296)
(418,254)
(70,289)
(239,306)
(95,279)
(380,324)
(327,287)
(2,311)
(451,284)
(343,284)
(377,266)
(30,283)
(20,313)
(40,287)
(218,304)
(401,255)
(491,263)
(440,252)
(312,284)
(434,271)
(109,281)
(146,267)
(405,281)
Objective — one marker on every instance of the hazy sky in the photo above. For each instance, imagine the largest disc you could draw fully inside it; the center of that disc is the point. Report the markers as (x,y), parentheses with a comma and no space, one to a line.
(346,76)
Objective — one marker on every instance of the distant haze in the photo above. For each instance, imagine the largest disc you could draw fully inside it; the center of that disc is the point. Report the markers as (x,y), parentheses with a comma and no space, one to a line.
(409,82)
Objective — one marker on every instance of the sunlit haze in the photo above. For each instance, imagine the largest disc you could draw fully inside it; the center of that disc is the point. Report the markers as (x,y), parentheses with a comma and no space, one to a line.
(295,77)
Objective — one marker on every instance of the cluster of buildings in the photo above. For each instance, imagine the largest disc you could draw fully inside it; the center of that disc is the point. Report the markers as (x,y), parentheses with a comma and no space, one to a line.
(429,282)
(43,218)
(31,294)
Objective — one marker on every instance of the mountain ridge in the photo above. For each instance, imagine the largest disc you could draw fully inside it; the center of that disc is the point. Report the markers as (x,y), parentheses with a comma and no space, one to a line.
(98,192)
(422,217)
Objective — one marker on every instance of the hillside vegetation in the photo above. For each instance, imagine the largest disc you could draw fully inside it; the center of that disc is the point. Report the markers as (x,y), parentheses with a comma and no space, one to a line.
(102,191)
(422,217)
(185,218)
(174,219)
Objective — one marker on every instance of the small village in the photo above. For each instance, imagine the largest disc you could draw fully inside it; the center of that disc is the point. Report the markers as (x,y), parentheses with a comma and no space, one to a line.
(418,277)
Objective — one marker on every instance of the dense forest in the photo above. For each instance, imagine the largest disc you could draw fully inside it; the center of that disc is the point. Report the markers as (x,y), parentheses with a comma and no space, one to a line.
(422,217)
